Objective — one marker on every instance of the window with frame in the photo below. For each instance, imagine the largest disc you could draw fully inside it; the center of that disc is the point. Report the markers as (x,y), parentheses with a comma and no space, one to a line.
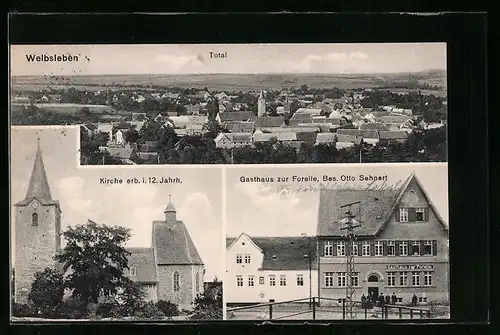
(239,280)
(250,281)
(282,280)
(422,299)
(391,278)
(300,280)
(341,279)
(176,281)
(247,258)
(340,248)
(354,249)
(415,278)
(428,278)
(415,248)
(391,248)
(34,219)
(272,280)
(328,248)
(197,282)
(261,280)
(403,248)
(355,279)
(403,279)
(239,259)
(427,248)
(132,271)
(365,248)
(403,215)
(379,248)
(420,214)
(329,279)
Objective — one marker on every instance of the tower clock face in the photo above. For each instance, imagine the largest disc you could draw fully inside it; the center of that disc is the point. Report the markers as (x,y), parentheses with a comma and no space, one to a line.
(34,204)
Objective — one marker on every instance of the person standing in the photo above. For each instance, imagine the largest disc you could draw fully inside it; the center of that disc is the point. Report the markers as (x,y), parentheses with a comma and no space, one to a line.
(414,300)
(394,298)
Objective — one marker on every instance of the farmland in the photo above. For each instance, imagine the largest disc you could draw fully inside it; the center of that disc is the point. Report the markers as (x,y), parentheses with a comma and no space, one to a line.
(229,82)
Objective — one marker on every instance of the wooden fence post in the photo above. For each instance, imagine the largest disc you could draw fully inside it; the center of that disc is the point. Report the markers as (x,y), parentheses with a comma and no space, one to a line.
(314,308)
(400,313)
(271,309)
(343,309)
(411,313)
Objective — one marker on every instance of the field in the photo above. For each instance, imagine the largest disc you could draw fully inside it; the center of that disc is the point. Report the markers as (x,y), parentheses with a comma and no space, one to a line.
(66,108)
(231,82)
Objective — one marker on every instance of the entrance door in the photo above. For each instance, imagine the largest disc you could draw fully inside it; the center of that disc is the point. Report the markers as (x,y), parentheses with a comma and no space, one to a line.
(373,290)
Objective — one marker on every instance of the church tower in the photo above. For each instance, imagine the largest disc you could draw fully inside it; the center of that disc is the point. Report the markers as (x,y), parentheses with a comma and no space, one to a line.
(37,230)
(261,105)
(170,212)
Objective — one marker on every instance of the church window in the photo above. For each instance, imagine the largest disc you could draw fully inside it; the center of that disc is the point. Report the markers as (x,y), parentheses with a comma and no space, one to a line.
(197,282)
(34,219)
(176,281)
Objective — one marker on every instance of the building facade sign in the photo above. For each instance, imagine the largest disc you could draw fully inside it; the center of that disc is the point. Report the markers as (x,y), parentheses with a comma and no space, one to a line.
(406,267)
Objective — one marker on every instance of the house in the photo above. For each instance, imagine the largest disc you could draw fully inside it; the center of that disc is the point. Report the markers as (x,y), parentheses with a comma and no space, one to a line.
(401,243)
(262,268)
(326,138)
(106,128)
(310,111)
(126,154)
(373,126)
(233,140)
(370,136)
(268,122)
(387,137)
(308,137)
(346,141)
(234,116)
(281,137)
(239,126)
(90,129)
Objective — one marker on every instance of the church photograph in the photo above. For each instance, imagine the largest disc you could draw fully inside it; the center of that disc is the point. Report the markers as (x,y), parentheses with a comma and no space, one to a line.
(146,243)
(331,243)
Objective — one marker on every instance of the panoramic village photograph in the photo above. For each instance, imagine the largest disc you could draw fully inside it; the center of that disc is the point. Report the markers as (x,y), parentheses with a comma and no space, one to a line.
(110,244)
(239,104)
(335,243)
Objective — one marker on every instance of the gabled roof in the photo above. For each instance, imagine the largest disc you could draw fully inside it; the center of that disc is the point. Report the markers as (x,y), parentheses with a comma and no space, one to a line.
(239,126)
(351,132)
(394,118)
(306,136)
(270,121)
(325,138)
(145,265)
(374,126)
(288,251)
(285,136)
(377,207)
(392,135)
(236,116)
(122,153)
(174,244)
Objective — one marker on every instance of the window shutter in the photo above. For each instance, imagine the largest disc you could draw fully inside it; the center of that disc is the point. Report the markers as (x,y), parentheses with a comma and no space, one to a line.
(421,248)
(434,247)
(384,244)
(426,214)
(360,248)
(397,248)
(412,214)
(397,213)
(372,248)
(322,248)
(335,248)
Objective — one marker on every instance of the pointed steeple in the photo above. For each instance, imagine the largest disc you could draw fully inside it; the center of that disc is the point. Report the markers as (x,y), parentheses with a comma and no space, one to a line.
(39,185)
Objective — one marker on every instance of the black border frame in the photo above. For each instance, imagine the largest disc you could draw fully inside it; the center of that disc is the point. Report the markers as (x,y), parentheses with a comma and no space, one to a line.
(465,35)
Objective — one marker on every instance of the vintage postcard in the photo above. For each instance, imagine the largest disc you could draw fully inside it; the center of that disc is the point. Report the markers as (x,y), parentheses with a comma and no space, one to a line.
(200,182)
(111,243)
(239,104)
(337,242)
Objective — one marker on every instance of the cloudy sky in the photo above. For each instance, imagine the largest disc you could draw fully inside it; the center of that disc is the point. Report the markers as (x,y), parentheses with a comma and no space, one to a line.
(198,199)
(241,58)
(266,210)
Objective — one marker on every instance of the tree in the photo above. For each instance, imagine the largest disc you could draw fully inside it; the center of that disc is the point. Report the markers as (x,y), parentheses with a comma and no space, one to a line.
(97,258)
(212,128)
(132,135)
(168,308)
(304,88)
(47,290)
(208,305)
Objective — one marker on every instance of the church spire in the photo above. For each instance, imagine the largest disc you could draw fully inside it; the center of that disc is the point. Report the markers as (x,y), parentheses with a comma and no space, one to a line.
(39,185)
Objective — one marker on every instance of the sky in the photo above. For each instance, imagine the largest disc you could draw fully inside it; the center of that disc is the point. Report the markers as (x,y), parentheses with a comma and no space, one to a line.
(240,58)
(198,199)
(266,210)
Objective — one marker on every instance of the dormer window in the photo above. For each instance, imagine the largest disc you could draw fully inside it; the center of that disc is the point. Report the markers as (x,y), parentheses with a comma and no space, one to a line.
(34,219)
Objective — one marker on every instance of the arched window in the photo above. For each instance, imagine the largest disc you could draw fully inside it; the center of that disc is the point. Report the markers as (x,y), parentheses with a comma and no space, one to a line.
(197,282)
(34,219)
(176,281)
(373,279)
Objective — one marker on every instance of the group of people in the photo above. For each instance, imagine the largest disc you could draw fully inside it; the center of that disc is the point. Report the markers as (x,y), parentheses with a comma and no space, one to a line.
(372,300)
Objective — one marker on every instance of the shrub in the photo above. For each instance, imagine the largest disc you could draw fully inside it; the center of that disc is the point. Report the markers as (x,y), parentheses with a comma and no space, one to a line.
(168,308)
(150,311)
(22,310)
(47,290)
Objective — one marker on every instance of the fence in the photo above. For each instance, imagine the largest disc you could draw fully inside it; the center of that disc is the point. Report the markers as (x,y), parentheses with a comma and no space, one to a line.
(316,308)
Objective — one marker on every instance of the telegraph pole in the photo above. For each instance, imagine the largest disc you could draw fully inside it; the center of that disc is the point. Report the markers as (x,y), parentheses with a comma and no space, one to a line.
(350,237)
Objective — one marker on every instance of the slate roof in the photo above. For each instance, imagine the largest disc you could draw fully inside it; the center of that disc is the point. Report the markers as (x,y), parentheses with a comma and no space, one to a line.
(325,138)
(91,126)
(173,244)
(392,135)
(144,262)
(346,138)
(394,119)
(351,132)
(369,133)
(38,187)
(310,111)
(374,126)
(270,121)
(122,153)
(285,136)
(306,136)
(239,137)
(236,116)
(239,126)
(289,252)
(377,207)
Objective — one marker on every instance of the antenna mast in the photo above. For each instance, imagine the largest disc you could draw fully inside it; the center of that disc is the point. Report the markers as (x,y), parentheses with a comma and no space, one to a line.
(350,238)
